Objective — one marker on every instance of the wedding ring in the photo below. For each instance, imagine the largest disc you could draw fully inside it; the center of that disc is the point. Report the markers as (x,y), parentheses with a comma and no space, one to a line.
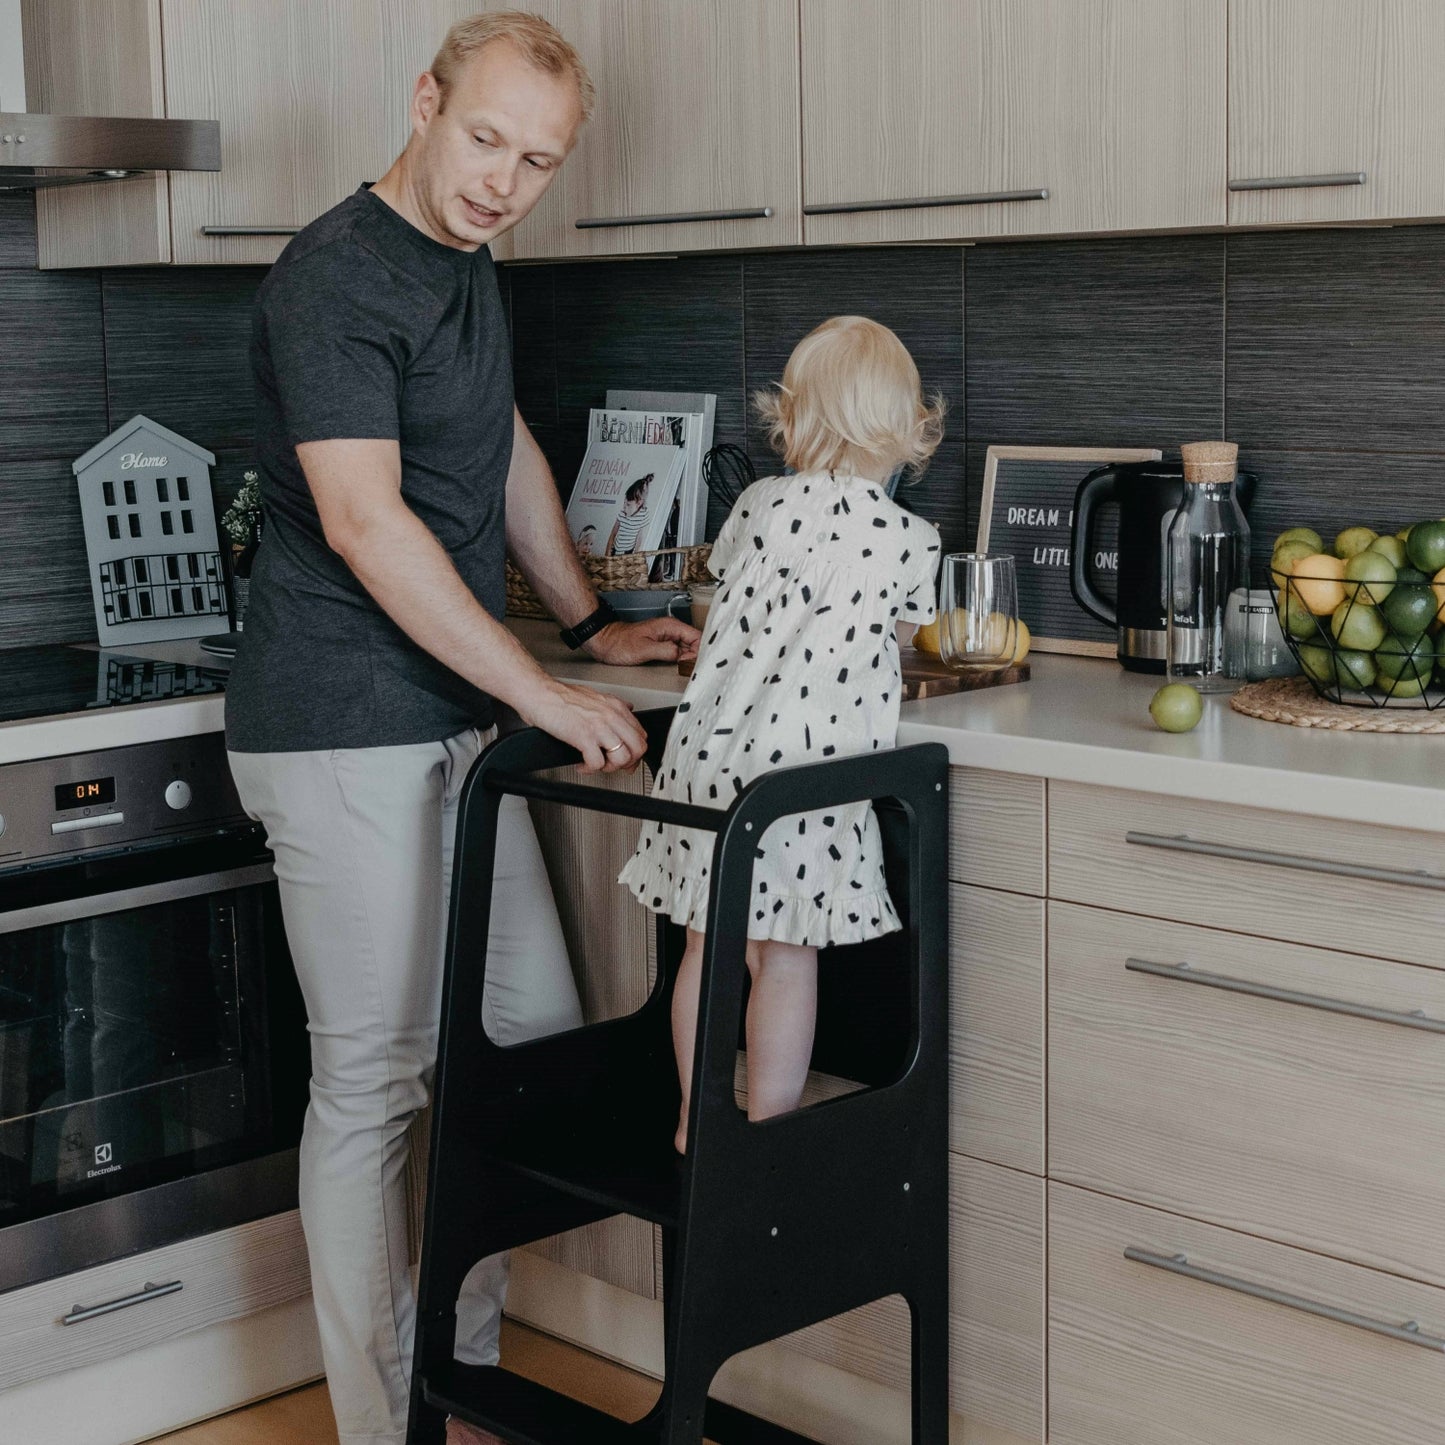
(616,748)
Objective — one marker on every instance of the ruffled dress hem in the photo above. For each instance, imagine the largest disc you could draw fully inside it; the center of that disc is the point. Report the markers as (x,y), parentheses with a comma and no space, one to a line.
(854,917)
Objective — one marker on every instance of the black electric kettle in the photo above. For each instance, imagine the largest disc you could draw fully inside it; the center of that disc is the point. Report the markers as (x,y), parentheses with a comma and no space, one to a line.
(1148,495)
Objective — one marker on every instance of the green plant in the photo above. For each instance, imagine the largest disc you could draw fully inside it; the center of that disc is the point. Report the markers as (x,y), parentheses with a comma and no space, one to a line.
(241,516)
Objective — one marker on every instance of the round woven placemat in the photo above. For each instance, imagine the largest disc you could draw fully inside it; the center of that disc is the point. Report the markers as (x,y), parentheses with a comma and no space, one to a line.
(1292,700)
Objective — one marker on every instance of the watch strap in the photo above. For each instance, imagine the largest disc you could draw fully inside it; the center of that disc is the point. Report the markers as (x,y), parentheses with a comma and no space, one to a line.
(589,626)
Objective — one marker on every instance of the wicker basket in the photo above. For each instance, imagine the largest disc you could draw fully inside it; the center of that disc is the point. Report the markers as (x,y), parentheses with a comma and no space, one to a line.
(627,573)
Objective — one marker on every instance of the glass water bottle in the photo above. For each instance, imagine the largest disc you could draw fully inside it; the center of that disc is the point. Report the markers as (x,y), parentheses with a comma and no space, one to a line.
(1206,559)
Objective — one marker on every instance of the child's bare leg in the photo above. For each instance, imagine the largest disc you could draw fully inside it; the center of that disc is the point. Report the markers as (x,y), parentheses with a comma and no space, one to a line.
(782,1014)
(684,1024)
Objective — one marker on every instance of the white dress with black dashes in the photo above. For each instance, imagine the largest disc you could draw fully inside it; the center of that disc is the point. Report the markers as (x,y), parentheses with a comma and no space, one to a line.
(799,664)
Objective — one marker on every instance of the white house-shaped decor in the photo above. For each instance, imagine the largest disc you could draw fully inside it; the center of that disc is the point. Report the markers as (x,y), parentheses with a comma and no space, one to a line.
(150,534)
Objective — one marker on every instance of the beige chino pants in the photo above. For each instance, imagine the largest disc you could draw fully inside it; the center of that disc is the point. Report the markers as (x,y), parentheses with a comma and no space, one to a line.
(363,844)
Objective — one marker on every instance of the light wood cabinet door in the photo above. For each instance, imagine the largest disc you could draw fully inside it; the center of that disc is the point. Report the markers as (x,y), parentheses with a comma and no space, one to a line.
(1144,1354)
(996,830)
(697,115)
(996,1026)
(1113,107)
(1290,1092)
(1347,90)
(307,107)
(996,1296)
(84,58)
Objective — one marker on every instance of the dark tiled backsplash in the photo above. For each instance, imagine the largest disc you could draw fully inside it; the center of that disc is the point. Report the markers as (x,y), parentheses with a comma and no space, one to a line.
(1321,352)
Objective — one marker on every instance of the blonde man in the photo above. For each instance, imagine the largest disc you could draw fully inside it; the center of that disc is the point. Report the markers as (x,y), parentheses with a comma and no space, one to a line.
(397,474)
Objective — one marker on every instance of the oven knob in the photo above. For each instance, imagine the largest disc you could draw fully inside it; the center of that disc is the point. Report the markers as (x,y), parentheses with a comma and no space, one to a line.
(2,825)
(178,795)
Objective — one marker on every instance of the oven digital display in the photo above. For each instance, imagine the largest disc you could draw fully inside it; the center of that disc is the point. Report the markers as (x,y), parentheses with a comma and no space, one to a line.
(82,795)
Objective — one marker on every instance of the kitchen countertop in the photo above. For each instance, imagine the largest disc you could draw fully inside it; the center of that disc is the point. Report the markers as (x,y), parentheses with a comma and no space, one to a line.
(1079,720)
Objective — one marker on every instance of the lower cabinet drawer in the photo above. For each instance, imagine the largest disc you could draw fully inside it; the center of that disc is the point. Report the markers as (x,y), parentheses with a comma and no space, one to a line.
(156,1296)
(1289,1092)
(996,1305)
(1208,1337)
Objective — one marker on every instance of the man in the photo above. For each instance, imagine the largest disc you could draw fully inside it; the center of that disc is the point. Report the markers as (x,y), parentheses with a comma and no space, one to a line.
(397,474)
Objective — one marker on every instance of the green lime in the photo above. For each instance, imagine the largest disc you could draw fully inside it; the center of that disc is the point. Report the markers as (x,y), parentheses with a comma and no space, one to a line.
(1374,572)
(1391,547)
(1355,670)
(1356,627)
(1427,546)
(1411,577)
(1301,534)
(1296,618)
(1409,610)
(1412,657)
(1318,662)
(1402,686)
(1177,707)
(1352,540)
(1285,555)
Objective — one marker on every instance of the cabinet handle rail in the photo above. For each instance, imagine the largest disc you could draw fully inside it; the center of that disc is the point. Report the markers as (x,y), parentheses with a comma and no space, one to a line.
(1298,183)
(598,223)
(146,1292)
(1182,843)
(981,198)
(1183,973)
(250,230)
(1409,1333)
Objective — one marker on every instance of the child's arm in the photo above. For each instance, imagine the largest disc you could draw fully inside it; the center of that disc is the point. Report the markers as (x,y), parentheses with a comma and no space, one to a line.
(904,631)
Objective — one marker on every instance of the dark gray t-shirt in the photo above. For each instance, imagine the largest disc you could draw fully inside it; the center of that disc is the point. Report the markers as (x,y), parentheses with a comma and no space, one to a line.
(366,327)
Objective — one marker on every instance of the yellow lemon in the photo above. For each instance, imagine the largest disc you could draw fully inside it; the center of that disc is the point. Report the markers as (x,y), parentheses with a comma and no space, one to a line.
(926,638)
(1318,582)
(1025,641)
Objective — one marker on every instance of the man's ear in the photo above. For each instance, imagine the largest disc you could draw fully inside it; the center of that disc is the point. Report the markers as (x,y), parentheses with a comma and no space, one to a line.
(426,101)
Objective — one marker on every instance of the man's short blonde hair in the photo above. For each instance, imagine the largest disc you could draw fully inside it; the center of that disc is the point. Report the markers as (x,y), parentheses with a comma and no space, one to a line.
(540,43)
(850,387)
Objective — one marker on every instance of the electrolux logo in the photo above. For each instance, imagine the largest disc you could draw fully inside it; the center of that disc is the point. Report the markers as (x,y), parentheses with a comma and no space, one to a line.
(103,1156)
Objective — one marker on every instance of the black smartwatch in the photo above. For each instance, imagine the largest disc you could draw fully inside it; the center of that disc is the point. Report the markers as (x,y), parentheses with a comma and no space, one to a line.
(589,626)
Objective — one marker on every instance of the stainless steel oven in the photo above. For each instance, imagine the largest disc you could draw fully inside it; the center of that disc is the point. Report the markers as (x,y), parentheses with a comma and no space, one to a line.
(153,1050)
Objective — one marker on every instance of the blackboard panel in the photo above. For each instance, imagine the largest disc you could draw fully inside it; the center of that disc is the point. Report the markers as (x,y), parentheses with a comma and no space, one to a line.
(1027,511)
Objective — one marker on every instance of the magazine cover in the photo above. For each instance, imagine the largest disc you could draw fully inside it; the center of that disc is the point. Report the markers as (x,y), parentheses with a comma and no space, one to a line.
(693,414)
(626,489)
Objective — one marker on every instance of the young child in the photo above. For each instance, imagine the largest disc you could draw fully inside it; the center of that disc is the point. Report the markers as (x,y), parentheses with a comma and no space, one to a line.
(820,573)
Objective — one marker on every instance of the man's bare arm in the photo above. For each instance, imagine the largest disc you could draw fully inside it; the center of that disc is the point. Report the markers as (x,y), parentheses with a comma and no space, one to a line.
(357,488)
(541,546)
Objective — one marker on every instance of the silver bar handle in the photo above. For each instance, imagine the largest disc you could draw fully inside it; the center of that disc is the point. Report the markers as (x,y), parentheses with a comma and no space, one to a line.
(1409,1333)
(97,905)
(250,230)
(146,1292)
(1183,973)
(979,198)
(598,223)
(1298,183)
(1182,843)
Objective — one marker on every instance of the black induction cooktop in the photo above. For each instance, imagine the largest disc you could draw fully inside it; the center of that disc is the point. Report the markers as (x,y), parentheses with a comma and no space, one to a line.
(46,681)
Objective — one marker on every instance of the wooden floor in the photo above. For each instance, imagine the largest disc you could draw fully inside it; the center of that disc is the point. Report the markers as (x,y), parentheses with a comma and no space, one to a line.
(304,1416)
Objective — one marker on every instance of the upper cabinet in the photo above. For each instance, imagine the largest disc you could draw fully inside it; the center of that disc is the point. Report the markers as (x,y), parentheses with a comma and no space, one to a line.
(696,123)
(940,119)
(1336,110)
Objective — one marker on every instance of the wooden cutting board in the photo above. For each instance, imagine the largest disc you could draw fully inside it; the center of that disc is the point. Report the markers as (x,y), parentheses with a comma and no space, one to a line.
(925,676)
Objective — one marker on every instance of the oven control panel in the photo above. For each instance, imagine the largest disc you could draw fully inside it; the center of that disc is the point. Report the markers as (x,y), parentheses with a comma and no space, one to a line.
(149,793)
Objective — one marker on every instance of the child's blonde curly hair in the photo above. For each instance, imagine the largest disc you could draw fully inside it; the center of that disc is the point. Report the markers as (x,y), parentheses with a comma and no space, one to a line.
(851,392)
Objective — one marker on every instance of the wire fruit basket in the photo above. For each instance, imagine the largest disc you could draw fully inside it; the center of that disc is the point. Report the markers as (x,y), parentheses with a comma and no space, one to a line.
(1365,643)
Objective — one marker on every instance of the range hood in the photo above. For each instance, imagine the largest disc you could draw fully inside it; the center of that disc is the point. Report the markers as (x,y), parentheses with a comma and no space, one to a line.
(74,150)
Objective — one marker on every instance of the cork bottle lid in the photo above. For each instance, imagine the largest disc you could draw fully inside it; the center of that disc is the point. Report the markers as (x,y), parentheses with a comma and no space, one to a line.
(1209,461)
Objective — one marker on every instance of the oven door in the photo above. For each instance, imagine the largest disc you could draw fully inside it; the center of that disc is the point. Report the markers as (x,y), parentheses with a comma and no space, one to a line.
(152,1053)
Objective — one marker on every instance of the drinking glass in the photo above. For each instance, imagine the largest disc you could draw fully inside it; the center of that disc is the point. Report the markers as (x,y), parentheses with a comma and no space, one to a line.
(978,612)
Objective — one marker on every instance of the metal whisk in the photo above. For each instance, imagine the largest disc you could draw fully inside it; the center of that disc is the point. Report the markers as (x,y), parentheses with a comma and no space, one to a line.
(728,472)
